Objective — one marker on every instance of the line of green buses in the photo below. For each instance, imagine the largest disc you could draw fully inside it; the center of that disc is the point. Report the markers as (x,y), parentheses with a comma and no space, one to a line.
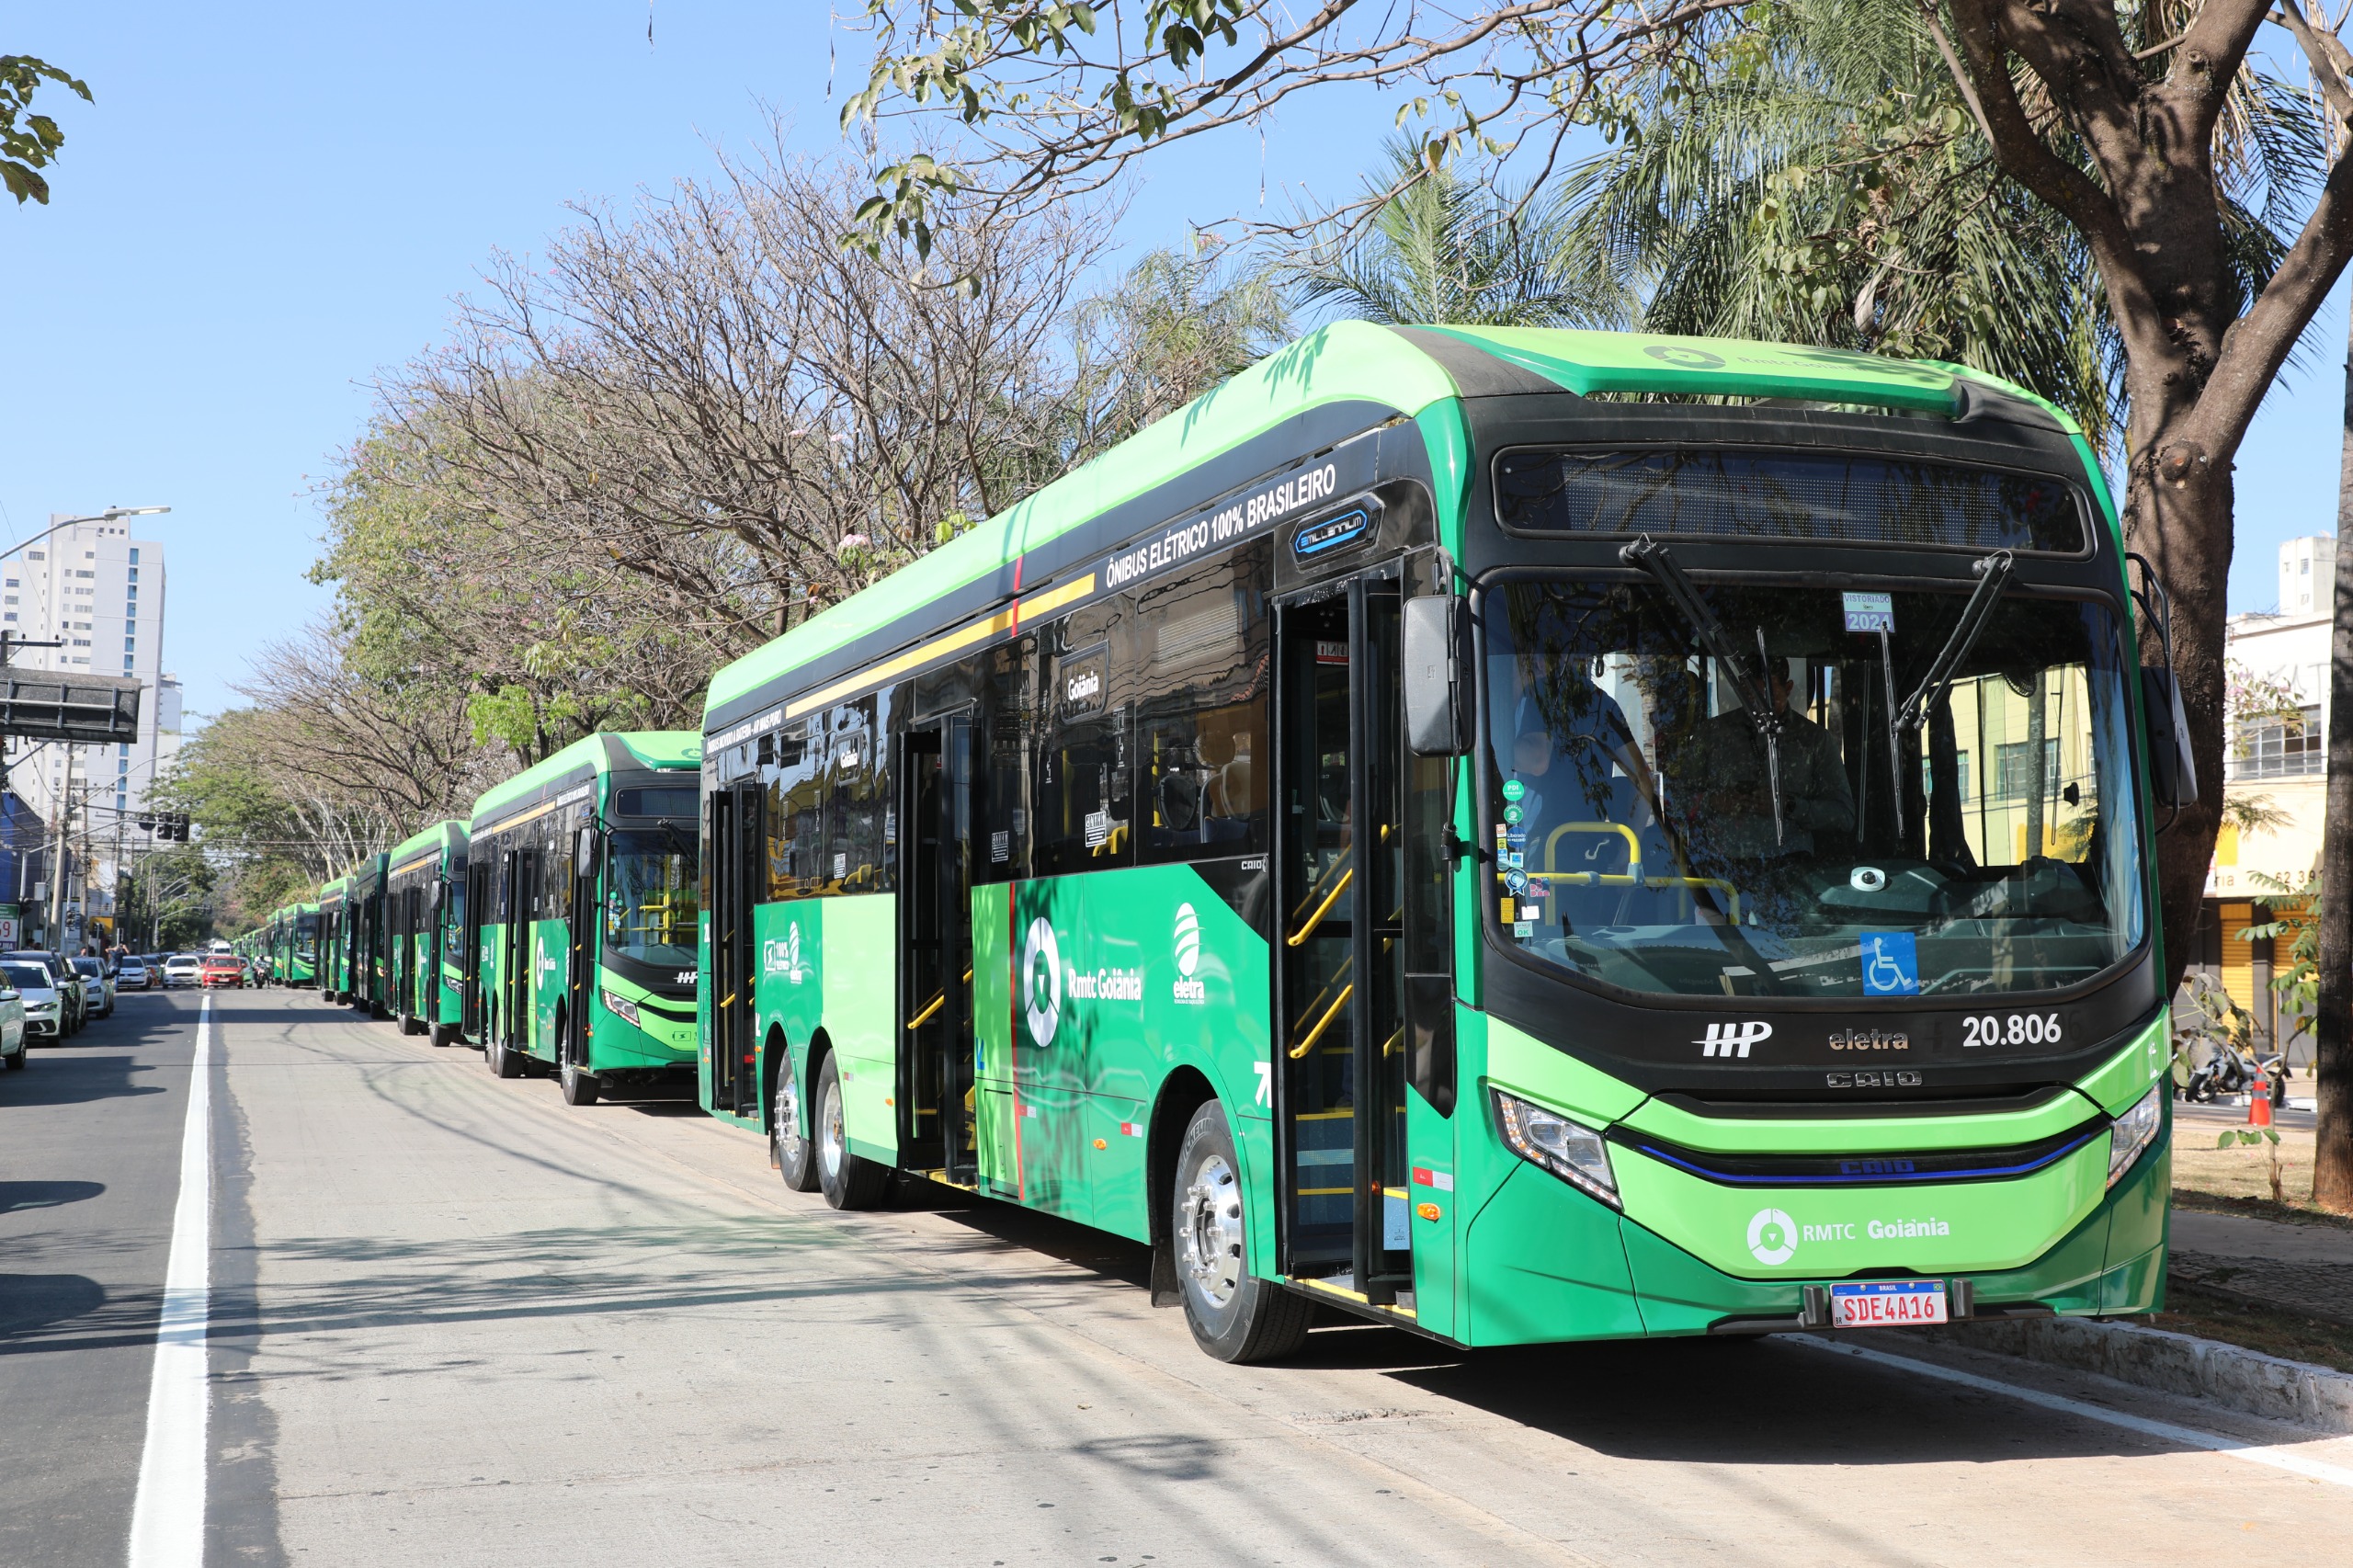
(1517,834)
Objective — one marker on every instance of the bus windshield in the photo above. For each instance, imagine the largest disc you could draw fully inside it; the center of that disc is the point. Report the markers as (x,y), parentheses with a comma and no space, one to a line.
(650,896)
(306,935)
(1820,819)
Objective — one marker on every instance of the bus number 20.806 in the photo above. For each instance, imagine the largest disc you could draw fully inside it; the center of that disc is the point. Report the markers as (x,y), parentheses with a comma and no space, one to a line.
(2010,1028)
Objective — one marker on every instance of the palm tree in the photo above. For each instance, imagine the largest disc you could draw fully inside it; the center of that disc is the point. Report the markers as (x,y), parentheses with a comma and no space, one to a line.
(1821,179)
(1463,251)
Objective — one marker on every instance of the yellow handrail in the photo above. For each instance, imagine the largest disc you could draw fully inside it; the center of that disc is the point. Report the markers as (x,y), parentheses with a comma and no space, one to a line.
(931,1007)
(1633,844)
(1321,910)
(1303,1047)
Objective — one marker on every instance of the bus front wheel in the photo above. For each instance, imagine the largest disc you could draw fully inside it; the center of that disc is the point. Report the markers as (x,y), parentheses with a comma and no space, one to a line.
(1234,1316)
(850,1181)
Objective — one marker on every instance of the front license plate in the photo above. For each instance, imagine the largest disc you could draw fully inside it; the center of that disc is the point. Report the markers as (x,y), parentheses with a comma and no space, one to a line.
(1888,1303)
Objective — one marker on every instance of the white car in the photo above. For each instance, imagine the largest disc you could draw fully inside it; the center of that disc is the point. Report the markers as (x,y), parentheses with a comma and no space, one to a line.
(182,968)
(35,990)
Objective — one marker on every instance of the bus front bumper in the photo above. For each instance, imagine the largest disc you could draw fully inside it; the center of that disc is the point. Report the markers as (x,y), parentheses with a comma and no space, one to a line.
(1545,1262)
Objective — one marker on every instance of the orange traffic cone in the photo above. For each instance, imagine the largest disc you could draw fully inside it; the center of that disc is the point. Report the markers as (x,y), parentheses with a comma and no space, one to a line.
(2258,1104)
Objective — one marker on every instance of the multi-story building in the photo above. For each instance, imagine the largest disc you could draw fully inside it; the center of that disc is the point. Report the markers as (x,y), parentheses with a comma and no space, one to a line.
(2275,768)
(98,593)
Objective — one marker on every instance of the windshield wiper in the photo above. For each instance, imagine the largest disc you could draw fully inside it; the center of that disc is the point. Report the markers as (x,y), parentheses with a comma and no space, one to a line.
(1647,555)
(1992,576)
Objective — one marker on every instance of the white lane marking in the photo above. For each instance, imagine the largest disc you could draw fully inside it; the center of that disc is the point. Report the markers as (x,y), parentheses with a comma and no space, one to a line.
(167,1521)
(2189,1437)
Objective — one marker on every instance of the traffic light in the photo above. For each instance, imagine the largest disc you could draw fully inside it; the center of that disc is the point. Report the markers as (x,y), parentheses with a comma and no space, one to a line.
(179,827)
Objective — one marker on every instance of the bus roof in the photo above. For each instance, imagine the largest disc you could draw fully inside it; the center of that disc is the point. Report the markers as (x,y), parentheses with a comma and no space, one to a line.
(446,833)
(1388,372)
(605,751)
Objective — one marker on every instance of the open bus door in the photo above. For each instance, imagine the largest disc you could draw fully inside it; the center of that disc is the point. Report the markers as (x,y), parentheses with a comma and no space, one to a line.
(1363,987)
(585,927)
(737,852)
(934,1093)
(469,983)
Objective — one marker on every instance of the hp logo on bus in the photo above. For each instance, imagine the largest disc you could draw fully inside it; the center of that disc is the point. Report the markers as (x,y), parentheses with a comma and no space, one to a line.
(1734,1040)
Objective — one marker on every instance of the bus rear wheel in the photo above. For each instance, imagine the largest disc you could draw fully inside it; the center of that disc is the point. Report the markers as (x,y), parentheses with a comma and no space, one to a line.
(502,1060)
(850,1181)
(796,1154)
(1234,1316)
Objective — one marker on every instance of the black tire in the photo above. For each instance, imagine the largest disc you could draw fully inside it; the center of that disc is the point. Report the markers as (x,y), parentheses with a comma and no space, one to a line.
(1234,1316)
(17,1063)
(795,1151)
(848,1180)
(502,1062)
(441,1036)
(577,1084)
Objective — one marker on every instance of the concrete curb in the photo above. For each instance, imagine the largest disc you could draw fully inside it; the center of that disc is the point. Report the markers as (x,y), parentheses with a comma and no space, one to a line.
(2205,1370)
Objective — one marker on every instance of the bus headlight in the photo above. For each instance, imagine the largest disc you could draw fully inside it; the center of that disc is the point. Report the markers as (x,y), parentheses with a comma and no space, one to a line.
(623,1009)
(1569,1150)
(2130,1133)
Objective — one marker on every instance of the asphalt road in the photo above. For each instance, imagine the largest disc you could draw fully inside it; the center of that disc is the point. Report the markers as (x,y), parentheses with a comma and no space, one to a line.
(455,1322)
(90,1156)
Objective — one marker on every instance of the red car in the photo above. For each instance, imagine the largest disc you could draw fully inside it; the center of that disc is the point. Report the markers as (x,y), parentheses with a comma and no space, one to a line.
(222,968)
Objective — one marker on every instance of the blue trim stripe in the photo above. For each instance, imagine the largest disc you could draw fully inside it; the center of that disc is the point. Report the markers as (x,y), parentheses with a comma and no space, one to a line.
(1881,1178)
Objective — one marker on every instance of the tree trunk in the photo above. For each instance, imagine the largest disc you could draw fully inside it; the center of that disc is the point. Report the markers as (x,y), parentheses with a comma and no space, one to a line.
(2333,1029)
(2177,512)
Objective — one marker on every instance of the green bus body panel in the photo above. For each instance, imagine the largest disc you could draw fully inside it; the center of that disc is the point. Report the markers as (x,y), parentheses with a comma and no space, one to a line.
(859,985)
(653,1041)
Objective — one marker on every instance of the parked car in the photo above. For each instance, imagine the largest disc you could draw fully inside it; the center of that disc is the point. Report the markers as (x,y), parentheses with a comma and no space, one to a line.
(222,968)
(73,997)
(183,968)
(14,1029)
(98,983)
(132,974)
(36,998)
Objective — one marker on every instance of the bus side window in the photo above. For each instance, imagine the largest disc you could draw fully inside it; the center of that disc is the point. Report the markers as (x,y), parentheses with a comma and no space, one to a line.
(1008,720)
(1084,772)
(1202,658)
(856,789)
(796,824)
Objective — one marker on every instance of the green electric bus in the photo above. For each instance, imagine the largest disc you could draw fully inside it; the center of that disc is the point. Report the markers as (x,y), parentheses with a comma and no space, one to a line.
(1520,834)
(292,942)
(334,941)
(580,907)
(425,919)
(370,949)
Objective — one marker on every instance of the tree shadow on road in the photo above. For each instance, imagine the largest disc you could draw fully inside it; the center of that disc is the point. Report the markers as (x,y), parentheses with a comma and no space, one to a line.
(16,1195)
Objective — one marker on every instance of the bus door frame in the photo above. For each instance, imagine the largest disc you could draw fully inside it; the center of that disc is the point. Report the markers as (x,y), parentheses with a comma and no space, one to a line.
(1378,590)
(469,983)
(935,922)
(737,844)
(585,925)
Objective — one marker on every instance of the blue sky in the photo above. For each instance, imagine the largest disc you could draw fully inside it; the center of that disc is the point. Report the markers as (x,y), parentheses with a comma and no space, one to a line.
(269,203)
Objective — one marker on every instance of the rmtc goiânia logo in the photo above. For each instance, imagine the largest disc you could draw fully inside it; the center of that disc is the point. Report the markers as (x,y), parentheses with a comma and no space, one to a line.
(1041,982)
(1188,990)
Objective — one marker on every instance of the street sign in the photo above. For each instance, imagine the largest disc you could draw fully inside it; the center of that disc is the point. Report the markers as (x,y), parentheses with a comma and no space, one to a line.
(49,705)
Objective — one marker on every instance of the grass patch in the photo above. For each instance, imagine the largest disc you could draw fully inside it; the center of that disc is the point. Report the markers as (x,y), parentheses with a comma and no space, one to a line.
(2269,1330)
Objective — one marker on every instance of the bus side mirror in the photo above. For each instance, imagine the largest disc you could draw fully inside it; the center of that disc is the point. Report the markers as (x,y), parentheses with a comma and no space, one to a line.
(584,852)
(1436,659)
(2173,772)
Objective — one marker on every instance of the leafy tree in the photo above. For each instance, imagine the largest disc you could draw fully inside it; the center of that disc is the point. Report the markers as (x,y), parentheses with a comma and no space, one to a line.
(1444,248)
(29,141)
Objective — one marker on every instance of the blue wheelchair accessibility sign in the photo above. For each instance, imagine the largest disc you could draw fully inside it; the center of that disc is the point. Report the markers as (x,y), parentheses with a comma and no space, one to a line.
(1890,964)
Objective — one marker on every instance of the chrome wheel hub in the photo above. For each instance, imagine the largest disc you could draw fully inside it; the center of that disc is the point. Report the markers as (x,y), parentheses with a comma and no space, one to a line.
(788,1142)
(830,1137)
(1208,1228)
